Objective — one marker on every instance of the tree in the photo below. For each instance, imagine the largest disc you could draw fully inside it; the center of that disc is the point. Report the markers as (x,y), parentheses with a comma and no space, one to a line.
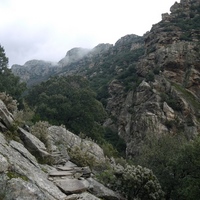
(134,182)
(176,163)
(10,83)
(71,102)
(3,58)
(187,170)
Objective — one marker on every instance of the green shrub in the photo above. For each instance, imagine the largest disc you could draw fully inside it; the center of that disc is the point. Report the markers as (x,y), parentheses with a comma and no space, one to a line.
(81,158)
(40,130)
(134,182)
(10,103)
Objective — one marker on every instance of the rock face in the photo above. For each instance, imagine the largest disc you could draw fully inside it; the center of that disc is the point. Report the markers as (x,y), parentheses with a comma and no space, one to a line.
(73,55)
(22,176)
(35,71)
(167,100)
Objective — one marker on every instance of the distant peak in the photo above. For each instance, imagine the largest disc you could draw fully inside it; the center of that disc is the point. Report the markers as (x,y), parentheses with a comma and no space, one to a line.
(74,55)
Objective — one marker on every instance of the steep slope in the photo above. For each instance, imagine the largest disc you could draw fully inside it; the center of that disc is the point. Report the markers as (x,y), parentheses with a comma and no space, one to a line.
(30,170)
(167,100)
(35,71)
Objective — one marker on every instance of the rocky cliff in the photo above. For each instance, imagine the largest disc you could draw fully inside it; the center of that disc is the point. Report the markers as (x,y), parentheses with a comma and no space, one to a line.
(35,71)
(152,82)
(167,100)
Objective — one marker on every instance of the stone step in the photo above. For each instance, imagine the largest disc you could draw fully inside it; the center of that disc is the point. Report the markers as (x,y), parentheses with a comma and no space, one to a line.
(72,186)
(64,168)
(60,173)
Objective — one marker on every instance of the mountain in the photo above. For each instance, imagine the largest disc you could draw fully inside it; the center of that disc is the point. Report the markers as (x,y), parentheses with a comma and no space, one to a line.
(149,85)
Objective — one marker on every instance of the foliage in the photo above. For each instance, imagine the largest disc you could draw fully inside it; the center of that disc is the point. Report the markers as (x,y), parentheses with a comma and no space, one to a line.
(68,101)
(157,155)
(24,117)
(82,158)
(114,145)
(187,171)
(176,163)
(134,182)
(129,78)
(150,76)
(171,101)
(110,68)
(40,130)
(3,59)
(186,24)
(10,83)
(10,103)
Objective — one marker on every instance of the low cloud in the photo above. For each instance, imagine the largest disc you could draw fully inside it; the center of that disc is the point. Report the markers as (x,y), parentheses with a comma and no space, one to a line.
(46,29)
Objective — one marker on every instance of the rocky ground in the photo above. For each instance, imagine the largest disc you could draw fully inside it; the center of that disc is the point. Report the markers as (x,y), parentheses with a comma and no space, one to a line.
(23,177)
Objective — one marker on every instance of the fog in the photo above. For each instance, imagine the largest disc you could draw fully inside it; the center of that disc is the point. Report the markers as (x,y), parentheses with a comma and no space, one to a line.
(47,29)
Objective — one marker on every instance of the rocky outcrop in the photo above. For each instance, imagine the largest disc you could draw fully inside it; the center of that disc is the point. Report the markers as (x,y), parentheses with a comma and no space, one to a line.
(28,170)
(167,99)
(35,71)
(73,55)
(6,118)
(60,137)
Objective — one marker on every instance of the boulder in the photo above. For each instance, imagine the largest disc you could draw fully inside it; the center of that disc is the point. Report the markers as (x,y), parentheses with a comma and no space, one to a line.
(3,164)
(62,137)
(34,145)
(21,176)
(72,186)
(6,118)
(101,191)
(83,196)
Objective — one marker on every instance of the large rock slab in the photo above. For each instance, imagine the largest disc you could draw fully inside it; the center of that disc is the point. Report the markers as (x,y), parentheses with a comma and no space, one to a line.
(72,186)
(61,136)
(3,164)
(33,144)
(6,118)
(101,191)
(19,189)
(20,172)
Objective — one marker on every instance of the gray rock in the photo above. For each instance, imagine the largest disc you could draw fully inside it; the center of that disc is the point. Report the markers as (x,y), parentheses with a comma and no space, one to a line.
(22,165)
(6,118)
(60,173)
(19,189)
(71,186)
(101,191)
(33,144)
(61,136)
(23,151)
(73,55)
(83,196)
(87,196)
(3,164)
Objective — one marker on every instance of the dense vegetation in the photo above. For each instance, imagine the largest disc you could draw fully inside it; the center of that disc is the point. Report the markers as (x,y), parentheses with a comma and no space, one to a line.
(71,102)
(8,82)
(68,101)
(175,162)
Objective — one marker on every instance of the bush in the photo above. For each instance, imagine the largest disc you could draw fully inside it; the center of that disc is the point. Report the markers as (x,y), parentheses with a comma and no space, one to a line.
(10,103)
(40,130)
(134,182)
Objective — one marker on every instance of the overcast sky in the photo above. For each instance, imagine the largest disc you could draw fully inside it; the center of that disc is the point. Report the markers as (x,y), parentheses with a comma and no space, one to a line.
(47,29)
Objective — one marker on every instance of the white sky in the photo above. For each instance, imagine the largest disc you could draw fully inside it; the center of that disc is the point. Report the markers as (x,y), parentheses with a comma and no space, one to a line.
(47,29)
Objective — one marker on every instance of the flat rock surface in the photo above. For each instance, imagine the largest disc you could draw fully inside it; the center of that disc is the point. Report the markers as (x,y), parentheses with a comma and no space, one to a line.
(60,173)
(71,186)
